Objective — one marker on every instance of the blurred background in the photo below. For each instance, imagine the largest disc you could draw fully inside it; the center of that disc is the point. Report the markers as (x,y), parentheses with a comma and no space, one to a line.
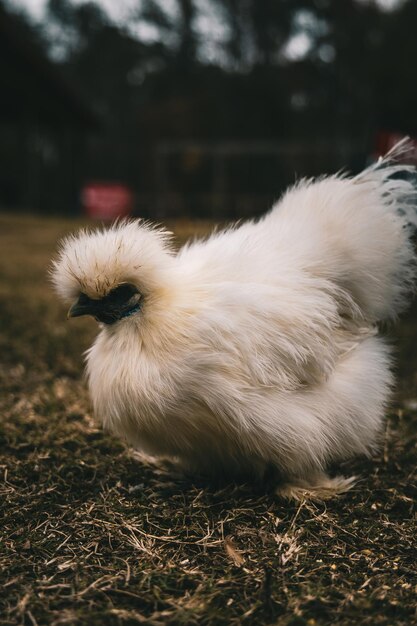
(195,108)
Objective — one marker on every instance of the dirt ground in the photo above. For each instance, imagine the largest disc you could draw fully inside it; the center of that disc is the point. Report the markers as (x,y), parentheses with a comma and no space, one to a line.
(91,535)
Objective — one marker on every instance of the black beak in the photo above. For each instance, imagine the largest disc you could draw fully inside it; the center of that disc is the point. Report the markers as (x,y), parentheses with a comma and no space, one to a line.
(78,309)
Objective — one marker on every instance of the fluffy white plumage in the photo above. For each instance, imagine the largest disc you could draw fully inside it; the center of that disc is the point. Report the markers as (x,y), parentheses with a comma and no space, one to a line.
(258,347)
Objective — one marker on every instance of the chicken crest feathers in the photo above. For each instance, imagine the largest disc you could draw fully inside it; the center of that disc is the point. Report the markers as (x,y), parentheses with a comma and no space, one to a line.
(96,261)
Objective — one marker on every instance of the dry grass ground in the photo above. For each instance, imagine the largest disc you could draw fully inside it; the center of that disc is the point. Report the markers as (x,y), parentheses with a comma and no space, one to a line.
(90,535)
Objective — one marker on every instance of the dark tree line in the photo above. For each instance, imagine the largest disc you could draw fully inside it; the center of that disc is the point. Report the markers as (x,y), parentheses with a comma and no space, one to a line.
(236,79)
(359,62)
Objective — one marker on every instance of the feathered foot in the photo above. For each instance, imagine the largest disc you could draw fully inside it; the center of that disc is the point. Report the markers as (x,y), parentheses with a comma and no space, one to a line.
(322,487)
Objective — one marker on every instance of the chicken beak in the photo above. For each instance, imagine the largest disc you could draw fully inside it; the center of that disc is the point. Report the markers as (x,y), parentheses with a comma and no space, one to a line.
(77,309)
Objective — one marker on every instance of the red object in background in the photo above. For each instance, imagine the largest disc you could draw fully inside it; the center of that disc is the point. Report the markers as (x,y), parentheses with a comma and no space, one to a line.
(386,140)
(106,201)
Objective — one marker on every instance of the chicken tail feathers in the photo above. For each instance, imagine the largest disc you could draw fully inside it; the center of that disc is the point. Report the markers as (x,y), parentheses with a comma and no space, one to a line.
(397,181)
(395,184)
(356,232)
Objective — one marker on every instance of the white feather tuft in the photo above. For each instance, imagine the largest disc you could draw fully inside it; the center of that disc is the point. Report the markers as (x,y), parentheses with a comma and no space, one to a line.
(94,262)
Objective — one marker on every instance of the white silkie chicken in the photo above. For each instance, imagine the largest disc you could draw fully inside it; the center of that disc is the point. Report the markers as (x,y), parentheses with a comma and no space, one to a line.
(258,347)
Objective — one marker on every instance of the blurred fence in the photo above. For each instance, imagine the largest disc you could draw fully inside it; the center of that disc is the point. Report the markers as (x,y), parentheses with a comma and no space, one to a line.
(238,179)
